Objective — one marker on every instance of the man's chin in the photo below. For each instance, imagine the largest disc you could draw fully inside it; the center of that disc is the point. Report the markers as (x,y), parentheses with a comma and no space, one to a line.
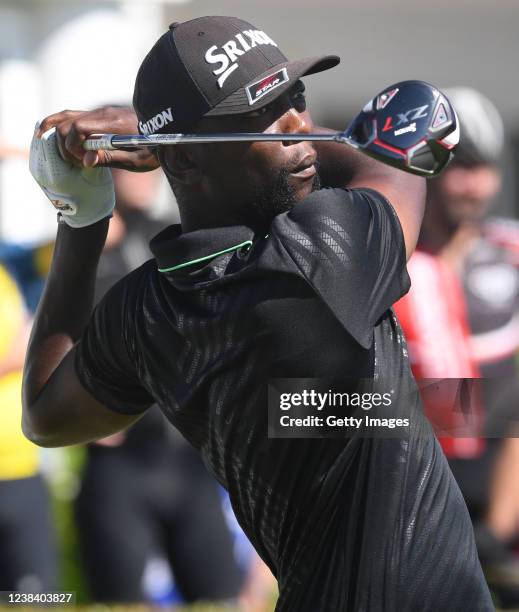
(301,191)
(281,196)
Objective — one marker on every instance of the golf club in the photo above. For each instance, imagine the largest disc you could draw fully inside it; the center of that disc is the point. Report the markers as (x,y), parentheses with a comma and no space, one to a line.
(410,125)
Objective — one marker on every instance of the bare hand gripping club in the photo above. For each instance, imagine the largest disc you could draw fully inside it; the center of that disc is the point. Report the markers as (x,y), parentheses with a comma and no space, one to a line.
(410,125)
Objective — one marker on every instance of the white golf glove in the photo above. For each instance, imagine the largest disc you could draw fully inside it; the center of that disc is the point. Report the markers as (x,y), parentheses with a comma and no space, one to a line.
(83,196)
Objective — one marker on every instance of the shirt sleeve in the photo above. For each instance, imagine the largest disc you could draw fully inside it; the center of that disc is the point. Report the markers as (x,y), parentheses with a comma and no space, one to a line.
(349,245)
(107,361)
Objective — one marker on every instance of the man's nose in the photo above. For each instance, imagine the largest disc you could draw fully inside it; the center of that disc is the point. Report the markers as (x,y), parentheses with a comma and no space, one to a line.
(294,122)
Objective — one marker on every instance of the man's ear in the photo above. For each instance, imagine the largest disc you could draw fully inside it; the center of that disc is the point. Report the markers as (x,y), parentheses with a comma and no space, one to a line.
(179,164)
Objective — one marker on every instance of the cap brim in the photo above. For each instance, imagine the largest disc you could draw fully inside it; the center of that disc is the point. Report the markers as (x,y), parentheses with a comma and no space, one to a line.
(239,102)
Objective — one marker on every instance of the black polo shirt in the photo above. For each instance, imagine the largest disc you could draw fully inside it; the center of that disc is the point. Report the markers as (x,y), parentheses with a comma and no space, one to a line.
(345,524)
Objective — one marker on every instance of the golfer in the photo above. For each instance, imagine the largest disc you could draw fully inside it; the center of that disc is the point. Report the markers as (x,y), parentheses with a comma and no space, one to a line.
(285,266)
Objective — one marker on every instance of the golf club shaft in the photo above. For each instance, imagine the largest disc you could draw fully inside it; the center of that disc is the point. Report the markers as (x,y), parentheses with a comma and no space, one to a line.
(129,141)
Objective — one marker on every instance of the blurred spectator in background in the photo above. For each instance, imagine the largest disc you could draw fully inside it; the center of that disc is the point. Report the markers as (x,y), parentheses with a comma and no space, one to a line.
(150,517)
(461,320)
(27,264)
(150,521)
(131,227)
(8,151)
(28,559)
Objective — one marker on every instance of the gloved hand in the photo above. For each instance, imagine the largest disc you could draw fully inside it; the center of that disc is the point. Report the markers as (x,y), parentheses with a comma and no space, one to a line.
(83,196)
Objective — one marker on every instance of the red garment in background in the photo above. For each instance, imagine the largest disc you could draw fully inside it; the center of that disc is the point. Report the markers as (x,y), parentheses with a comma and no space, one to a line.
(433,316)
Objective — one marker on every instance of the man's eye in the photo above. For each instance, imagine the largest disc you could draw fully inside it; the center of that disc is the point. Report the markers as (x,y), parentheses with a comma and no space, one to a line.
(298,99)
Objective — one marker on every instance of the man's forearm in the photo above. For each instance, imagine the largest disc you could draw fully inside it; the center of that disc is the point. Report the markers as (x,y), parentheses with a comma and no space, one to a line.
(65,306)
(57,409)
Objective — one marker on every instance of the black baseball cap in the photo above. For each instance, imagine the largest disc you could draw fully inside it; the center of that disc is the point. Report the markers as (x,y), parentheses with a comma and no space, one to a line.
(213,66)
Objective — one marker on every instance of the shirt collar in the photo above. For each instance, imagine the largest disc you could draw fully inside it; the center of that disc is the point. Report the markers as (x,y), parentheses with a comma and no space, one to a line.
(175,250)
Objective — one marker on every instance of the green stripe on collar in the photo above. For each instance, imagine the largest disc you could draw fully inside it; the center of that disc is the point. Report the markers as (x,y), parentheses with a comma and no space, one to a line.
(206,257)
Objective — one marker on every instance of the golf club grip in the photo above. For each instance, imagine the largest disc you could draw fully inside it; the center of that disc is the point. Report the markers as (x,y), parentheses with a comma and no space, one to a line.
(99,142)
(111,142)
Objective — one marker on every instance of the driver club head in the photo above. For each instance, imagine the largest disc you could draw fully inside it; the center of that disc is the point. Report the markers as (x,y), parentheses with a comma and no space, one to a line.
(410,125)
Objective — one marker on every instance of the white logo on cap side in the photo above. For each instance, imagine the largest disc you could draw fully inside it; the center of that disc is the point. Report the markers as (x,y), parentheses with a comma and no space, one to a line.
(156,123)
(232,50)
